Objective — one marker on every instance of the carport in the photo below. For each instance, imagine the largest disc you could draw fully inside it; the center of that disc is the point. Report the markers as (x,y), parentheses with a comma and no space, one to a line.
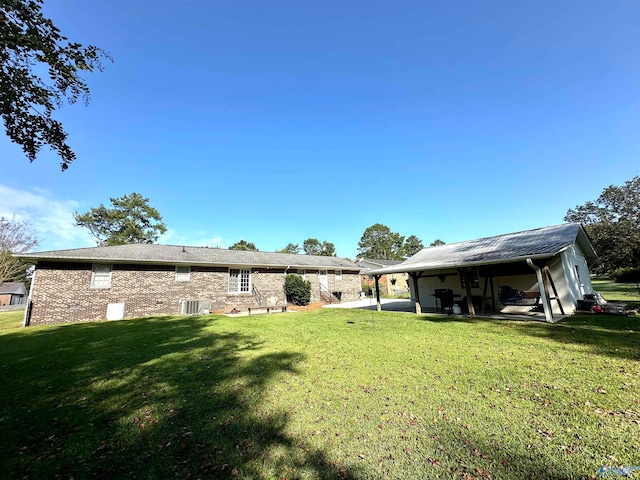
(547,265)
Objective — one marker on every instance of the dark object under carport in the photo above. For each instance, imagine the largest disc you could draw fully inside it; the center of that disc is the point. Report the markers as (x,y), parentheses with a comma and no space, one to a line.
(587,302)
(445,296)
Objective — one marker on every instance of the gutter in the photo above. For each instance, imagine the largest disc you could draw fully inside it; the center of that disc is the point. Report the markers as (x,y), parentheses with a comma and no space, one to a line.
(284,287)
(26,320)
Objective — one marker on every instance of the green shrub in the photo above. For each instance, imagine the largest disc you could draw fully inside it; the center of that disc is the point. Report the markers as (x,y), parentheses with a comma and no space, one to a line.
(626,275)
(298,290)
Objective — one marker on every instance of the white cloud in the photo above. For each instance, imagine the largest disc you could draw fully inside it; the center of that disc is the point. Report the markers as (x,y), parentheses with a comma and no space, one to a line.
(198,239)
(211,242)
(52,220)
(50,217)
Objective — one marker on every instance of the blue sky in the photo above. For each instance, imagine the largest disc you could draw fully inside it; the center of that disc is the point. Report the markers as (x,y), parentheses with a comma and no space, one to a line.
(277,121)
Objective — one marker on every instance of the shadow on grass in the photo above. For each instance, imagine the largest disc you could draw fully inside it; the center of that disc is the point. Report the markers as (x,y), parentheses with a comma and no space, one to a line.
(147,398)
(473,454)
(610,335)
(448,318)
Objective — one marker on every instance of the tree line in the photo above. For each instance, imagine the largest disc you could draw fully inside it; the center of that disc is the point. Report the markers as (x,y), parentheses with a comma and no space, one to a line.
(311,246)
(378,241)
(612,222)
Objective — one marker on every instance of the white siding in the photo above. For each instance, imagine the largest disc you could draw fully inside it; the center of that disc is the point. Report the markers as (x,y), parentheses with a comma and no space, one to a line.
(576,273)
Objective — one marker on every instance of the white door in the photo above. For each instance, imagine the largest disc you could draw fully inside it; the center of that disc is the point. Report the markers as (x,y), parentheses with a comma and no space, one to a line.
(324,280)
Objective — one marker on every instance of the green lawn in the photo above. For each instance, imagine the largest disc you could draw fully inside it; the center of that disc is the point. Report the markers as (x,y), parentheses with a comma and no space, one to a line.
(328,394)
(618,292)
(10,321)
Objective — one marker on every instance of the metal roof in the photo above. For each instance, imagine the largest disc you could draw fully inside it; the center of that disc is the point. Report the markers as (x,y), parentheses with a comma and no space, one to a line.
(379,261)
(373,263)
(538,243)
(184,255)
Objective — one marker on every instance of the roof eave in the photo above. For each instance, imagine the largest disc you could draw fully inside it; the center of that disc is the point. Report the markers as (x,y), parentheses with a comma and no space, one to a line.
(35,260)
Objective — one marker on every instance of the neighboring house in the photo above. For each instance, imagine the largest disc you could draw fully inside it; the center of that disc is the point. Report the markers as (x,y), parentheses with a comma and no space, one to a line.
(390,284)
(137,280)
(12,293)
(546,266)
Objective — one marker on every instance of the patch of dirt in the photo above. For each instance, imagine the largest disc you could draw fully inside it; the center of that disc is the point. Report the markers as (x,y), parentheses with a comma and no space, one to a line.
(306,308)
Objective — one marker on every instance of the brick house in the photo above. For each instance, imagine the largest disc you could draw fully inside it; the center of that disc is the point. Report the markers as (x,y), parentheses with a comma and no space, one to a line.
(126,281)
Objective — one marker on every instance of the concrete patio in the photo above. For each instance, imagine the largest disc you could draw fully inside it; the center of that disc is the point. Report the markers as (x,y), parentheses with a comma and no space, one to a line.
(407,305)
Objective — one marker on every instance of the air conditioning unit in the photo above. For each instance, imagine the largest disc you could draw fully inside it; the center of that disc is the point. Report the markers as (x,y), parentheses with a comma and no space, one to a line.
(195,307)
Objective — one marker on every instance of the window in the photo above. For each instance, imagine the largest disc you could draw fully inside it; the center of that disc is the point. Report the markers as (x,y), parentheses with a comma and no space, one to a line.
(338,274)
(301,272)
(101,276)
(239,280)
(183,274)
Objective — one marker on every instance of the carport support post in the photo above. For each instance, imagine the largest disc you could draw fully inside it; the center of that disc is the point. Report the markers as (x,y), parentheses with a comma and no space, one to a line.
(548,314)
(467,277)
(415,276)
(378,304)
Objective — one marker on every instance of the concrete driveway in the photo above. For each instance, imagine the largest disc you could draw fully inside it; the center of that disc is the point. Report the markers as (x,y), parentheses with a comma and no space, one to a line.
(388,304)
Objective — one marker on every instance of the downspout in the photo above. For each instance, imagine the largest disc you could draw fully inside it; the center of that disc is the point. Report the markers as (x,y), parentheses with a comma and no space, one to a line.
(284,288)
(26,320)
(548,314)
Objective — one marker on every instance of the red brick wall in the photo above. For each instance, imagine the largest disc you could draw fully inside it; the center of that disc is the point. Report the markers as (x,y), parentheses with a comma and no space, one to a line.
(62,292)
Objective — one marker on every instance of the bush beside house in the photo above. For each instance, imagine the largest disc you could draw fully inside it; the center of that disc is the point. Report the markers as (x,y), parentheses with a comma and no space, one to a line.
(297,289)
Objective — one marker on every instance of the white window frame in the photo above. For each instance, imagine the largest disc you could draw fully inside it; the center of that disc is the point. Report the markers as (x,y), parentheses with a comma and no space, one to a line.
(242,279)
(183,273)
(338,274)
(101,279)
